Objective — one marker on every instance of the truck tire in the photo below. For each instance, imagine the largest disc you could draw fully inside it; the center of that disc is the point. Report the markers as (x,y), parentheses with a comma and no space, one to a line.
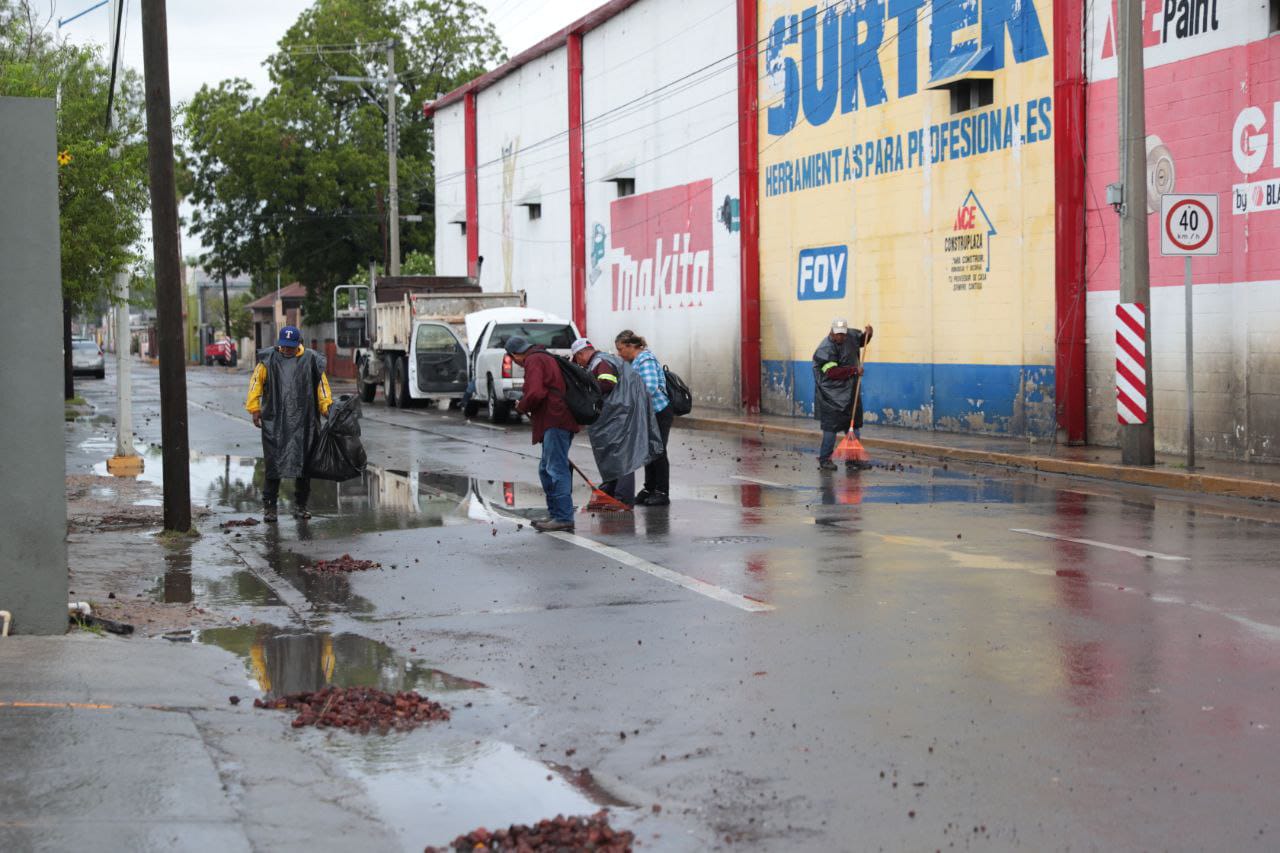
(368,390)
(389,387)
(499,410)
(404,399)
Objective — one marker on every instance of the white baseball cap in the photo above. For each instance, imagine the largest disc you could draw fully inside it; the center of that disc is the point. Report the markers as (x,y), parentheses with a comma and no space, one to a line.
(578,346)
(839,327)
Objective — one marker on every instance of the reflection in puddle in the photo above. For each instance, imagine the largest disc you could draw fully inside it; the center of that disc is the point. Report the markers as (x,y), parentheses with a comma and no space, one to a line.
(432,792)
(281,662)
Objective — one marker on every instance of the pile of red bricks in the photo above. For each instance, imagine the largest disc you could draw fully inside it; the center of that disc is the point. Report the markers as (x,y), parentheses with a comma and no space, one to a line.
(362,709)
(341,566)
(561,833)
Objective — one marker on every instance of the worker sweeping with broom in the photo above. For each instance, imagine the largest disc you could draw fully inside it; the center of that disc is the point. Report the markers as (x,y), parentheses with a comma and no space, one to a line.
(837,375)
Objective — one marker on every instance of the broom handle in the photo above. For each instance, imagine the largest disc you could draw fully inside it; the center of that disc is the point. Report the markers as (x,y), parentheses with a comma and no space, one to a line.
(857,387)
(585,478)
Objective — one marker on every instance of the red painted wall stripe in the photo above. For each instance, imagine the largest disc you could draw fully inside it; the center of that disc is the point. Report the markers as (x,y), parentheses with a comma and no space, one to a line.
(1069,248)
(473,186)
(749,201)
(577,187)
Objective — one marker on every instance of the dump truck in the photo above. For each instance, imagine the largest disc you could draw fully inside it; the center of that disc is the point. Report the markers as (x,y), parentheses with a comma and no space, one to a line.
(408,334)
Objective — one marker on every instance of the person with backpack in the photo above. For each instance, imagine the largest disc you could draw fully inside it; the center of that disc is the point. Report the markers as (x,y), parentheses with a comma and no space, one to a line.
(626,437)
(554,427)
(657,474)
(288,395)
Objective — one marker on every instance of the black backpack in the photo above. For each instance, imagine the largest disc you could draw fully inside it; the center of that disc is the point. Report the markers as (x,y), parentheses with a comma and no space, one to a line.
(677,393)
(582,394)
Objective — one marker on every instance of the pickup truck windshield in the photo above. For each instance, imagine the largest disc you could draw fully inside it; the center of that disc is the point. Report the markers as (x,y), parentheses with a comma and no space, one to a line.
(549,335)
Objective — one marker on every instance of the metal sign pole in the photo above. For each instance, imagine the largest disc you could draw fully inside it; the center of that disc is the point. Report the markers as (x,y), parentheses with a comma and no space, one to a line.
(1191,376)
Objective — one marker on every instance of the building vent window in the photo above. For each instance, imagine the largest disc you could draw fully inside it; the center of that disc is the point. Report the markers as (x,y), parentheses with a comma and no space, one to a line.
(627,186)
(1275,16)
(463,226)
(535,211)
(974,93)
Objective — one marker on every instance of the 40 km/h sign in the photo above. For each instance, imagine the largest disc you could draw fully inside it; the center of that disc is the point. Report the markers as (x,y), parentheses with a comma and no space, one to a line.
(1188,224)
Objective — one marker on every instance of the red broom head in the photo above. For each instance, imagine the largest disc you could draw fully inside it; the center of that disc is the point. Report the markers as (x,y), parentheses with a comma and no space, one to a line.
(602,502)
(851,450)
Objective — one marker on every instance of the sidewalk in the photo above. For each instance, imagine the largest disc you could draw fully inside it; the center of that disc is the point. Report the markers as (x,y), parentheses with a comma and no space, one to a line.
(1257,481)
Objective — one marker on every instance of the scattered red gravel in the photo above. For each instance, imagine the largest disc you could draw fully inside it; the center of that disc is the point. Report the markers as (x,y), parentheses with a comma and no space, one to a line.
(362,709)
(240,522)
(341,566)
(562,833)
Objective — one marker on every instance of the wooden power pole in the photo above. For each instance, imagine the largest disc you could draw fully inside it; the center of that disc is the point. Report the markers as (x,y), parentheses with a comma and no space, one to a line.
(164,236)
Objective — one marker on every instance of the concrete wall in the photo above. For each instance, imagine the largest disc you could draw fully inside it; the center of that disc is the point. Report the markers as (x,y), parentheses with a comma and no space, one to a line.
(451,190)
(662,262)
(522,153)
(33,509)
(1213,112)
(881,205)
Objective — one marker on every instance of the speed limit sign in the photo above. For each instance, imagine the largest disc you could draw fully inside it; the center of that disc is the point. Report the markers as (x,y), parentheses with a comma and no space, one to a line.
(1188,224)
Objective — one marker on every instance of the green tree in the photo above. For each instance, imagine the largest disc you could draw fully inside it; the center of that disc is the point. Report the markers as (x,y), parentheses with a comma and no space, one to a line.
(241,316)
(295,180)
(102,189)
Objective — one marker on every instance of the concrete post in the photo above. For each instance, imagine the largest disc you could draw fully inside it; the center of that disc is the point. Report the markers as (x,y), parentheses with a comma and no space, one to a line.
(33,504)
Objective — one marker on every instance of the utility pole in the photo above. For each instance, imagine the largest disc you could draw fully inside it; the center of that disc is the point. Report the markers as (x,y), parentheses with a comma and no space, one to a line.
(1137,441)
(226,306)
(126,462)
(393,147)
(164,237)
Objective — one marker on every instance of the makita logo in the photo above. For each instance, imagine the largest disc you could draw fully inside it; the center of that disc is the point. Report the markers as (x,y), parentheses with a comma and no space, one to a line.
(662,244)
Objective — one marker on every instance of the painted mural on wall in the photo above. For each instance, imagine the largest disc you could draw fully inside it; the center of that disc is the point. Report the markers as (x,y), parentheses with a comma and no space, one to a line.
(906,180)
(661,248)
(1213,112)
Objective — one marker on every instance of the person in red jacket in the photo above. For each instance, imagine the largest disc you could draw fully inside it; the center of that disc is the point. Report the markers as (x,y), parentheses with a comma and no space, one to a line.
(553,428)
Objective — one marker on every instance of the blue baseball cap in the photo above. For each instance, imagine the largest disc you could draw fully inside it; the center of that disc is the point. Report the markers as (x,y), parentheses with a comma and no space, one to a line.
(290,336)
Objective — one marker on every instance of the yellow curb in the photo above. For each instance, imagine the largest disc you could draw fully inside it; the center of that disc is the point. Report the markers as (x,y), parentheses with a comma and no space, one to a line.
(1179,480)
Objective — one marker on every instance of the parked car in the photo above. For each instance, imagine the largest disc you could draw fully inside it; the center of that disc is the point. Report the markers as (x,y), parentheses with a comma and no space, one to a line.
(221,351)
(87,358)
(497,379)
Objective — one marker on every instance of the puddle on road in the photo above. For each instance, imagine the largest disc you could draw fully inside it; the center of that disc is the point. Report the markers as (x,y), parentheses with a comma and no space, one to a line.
(429,785)
(281,661)
(431,791)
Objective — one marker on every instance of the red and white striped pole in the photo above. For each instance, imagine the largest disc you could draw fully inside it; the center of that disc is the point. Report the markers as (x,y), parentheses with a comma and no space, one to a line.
(1132,403)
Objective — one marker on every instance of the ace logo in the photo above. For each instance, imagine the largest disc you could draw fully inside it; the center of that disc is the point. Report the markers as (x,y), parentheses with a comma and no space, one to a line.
(823,273)
(966,218)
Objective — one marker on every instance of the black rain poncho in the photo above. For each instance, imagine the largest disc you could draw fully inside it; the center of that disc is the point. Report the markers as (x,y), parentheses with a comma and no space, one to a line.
(833,398)
(290,414)
(626,437)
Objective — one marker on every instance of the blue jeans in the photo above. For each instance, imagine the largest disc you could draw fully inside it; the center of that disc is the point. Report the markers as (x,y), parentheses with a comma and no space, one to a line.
(829,443)
(553,470)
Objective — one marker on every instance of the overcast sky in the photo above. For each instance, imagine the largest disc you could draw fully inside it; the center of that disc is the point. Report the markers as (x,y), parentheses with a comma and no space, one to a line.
(211,40)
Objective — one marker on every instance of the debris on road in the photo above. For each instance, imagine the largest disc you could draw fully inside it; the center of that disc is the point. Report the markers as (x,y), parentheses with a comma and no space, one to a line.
(361,709)
(240,522)
(341,566)
(562,833)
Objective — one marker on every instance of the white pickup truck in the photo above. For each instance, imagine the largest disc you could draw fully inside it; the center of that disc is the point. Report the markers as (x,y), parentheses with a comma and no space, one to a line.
(499,381)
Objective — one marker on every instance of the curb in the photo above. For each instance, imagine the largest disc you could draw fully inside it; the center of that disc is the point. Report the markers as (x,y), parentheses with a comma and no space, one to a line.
(1205,484)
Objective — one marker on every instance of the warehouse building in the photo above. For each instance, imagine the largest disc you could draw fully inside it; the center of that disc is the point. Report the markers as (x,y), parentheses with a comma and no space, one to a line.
(727,180)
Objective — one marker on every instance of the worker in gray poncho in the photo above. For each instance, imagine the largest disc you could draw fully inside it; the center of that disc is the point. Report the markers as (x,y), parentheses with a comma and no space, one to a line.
(626,436)
(837,364)
(288,395)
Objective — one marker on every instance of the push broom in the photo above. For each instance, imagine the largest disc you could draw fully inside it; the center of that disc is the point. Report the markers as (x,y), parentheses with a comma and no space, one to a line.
(850,449)
(600,500)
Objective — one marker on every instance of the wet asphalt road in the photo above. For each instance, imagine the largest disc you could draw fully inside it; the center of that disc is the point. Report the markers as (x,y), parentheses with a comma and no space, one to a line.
(910,658)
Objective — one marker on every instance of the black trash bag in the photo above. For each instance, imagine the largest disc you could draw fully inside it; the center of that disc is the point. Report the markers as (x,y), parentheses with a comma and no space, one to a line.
(338,454)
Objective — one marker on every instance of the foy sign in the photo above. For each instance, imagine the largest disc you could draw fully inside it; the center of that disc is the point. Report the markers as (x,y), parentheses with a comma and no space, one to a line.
(1188,224)
(823,273)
